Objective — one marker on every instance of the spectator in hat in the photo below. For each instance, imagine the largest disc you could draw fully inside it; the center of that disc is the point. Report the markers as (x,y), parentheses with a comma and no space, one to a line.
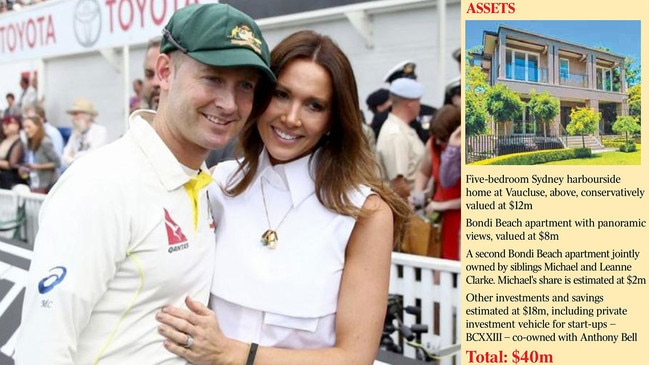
(453,93)
(457,54)
(128,229)
(405,69)
(398,148)
(86,135)
(378,102)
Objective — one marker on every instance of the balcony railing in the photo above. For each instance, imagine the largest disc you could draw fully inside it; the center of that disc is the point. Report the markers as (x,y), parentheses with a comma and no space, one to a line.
(576,80)
(529,74)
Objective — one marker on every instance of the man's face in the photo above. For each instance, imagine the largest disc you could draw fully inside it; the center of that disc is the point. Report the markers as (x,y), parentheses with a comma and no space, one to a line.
(205,106)
(81,121)
(151,85)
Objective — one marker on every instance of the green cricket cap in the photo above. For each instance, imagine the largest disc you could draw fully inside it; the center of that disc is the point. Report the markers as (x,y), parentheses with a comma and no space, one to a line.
(217,35)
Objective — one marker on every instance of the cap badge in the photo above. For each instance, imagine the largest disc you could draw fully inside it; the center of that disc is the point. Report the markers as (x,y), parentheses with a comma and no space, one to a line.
(409,68)
(242,35)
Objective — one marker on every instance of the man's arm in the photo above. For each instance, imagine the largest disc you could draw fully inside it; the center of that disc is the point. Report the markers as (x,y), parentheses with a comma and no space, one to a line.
(82,235)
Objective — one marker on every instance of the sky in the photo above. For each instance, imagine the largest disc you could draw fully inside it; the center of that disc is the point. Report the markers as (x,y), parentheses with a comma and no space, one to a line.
(621,37)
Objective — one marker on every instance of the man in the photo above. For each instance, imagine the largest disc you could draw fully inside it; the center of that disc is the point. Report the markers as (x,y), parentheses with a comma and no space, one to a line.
(127,230)
(86,135)
(399,149)
(151,85)
(378,102)
(28,96)
(12,108)
(406,69)
(453,93)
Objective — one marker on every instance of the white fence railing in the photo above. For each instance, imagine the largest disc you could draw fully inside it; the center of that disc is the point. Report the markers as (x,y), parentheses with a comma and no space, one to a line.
(431,284)
(11,201)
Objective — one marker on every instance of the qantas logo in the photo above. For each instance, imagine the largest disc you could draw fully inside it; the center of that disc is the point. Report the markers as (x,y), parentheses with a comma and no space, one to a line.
(175,236)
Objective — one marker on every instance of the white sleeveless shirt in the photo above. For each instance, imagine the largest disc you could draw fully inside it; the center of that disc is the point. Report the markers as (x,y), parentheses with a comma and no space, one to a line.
(285,296)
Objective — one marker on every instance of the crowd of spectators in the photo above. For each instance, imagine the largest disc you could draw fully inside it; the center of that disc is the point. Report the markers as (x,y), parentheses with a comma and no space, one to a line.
(9,5)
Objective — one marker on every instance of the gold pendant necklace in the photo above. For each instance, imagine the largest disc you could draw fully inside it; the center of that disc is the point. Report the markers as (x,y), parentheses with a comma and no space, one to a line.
(269,238)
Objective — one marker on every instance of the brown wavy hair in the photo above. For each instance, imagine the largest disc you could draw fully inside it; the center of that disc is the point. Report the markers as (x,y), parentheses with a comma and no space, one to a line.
(35,142)
(344,160)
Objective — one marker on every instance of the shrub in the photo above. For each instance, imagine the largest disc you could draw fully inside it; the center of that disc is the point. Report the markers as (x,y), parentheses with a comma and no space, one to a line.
(628,147)
(530,158)
(583,152)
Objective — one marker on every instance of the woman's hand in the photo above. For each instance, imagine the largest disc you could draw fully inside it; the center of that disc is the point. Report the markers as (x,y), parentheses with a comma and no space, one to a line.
(209,344)
(435,206)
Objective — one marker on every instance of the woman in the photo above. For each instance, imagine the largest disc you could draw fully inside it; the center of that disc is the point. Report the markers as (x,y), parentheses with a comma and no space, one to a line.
(11,153)
(307,278)
(445,200)
(42,161)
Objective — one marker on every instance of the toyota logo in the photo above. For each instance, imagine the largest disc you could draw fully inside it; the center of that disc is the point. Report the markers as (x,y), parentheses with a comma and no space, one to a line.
(87,22)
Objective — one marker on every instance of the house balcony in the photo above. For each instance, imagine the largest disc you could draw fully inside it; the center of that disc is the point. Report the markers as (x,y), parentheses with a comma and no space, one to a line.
(574,80)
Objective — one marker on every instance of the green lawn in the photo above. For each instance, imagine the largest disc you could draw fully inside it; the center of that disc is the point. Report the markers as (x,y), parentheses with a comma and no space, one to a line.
(604,158)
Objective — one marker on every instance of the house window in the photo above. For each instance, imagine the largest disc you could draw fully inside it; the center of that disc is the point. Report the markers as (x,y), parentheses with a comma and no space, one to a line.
(521,65)
(604,79)
(564,69)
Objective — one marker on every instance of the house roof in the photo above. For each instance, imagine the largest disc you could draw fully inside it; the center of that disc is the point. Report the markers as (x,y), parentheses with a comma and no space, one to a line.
(490,39)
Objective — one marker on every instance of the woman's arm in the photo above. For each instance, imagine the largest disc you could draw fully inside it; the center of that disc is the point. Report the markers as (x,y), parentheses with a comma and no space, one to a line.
(15,158)
(359,320)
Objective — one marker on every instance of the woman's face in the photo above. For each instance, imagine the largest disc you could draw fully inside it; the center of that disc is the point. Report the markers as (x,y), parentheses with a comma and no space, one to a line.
(11,128)
(299,113)
(30,128)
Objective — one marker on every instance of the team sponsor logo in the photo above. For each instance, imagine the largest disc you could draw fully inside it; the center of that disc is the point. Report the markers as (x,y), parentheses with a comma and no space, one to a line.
(49,282)
(87,22)
(175,236)
(243,35)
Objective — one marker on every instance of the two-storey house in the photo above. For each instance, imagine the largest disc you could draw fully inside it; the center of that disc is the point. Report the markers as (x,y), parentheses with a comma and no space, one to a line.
(577,75)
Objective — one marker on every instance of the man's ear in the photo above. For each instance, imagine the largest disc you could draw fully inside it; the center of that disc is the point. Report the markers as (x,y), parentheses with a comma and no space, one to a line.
(163,70)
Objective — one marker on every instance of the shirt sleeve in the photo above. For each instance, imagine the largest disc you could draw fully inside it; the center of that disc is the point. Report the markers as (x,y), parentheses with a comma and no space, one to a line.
(449,170)
(83,236)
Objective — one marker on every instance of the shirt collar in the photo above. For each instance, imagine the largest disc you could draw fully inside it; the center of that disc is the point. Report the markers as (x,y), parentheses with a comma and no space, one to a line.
(169,170)
(295,176)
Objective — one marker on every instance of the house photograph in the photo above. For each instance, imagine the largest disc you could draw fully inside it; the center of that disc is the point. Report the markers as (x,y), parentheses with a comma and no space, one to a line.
(590,66)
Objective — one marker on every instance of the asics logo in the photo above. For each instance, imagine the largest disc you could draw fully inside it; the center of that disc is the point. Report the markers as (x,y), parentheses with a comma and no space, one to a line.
(49,282)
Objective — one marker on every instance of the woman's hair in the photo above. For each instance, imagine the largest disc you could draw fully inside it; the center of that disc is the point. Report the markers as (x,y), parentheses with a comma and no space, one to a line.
(446,120)
(35,142)
(12,118)
(344,160)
